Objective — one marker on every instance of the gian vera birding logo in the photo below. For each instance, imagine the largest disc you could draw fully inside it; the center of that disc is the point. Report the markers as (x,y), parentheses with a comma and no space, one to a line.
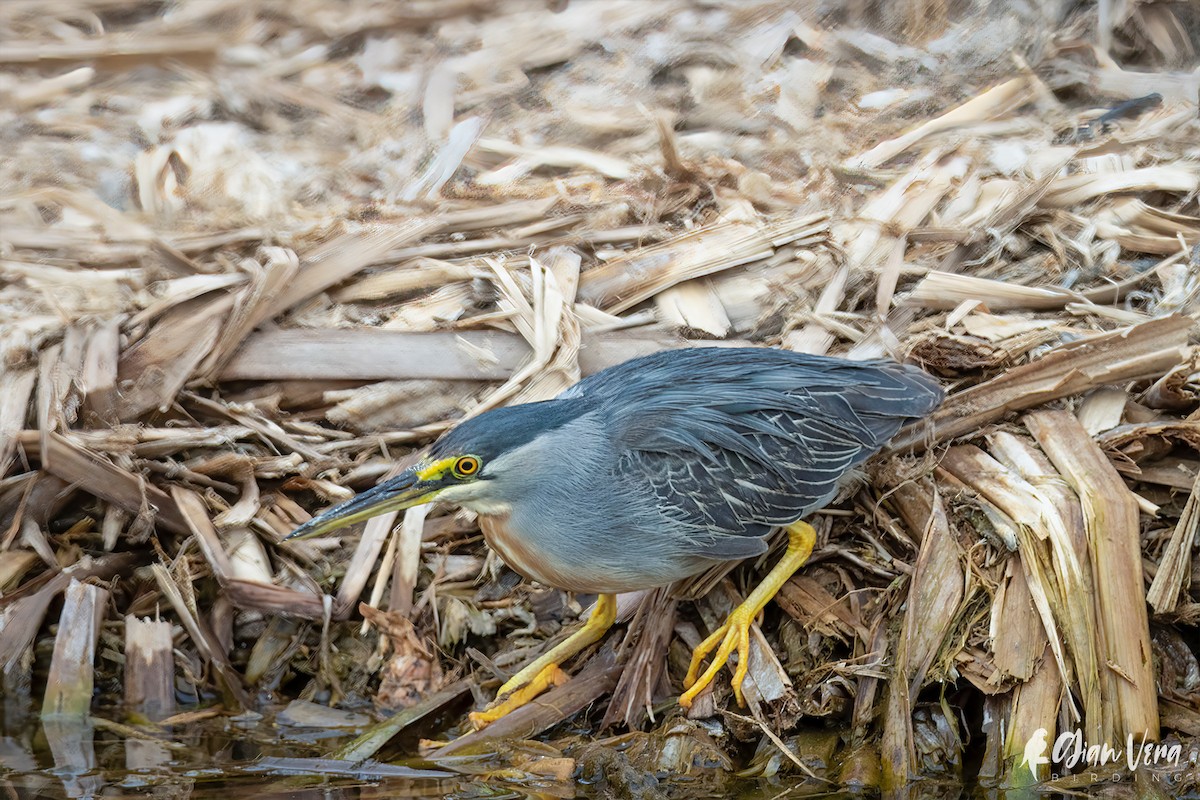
(1071,752)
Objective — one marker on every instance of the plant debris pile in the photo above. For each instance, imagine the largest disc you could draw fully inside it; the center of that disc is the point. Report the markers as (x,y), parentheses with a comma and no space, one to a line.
(255,255)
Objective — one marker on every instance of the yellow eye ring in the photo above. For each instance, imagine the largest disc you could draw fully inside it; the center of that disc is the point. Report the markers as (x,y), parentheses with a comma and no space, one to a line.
(466,466)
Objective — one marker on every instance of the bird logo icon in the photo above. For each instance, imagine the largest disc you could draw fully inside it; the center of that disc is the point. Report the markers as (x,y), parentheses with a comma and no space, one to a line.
(1035,751)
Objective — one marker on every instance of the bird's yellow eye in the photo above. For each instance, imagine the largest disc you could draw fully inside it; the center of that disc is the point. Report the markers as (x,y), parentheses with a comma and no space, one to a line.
(466,466)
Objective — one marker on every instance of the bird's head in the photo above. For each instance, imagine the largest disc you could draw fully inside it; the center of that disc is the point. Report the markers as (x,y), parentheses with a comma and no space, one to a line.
(475,465)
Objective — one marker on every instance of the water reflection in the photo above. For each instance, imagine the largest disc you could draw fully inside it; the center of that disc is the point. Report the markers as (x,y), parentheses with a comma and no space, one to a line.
(222,759)
(72,745)
(57,760)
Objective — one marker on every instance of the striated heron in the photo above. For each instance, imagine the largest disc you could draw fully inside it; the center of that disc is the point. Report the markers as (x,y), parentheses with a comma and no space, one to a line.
(652,471)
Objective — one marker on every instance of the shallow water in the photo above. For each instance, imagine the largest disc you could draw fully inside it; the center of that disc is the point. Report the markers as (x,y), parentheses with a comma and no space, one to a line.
(213,758)
(228,759)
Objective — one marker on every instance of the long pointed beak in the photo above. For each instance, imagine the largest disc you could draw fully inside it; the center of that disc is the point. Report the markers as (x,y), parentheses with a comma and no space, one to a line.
(403,491)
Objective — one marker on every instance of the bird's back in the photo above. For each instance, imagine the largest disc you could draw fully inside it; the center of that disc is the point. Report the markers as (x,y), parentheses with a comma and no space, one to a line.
(729,442)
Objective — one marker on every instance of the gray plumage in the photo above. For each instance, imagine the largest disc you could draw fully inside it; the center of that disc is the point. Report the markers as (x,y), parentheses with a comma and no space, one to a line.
(696,454)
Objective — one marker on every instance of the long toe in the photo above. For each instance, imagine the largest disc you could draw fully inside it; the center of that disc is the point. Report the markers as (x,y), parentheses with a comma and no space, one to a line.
(701,652)
(733,635)
(551,675)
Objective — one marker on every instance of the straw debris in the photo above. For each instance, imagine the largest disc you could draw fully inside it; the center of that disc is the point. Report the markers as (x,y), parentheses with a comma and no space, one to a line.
(255,256)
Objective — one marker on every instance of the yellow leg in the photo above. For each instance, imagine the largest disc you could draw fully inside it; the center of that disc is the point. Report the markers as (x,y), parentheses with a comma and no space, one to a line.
(544,671)
(736,630)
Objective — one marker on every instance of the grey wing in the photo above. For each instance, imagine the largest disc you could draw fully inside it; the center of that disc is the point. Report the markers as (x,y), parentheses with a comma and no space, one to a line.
(733,465)
(729,496)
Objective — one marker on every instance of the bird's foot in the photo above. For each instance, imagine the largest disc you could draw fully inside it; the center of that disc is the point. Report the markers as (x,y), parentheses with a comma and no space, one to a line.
(735,632)
(550,675)
(545,672)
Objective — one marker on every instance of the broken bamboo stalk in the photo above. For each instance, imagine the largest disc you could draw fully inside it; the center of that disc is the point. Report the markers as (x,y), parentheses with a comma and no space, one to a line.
(1138,352)
(149,668)
(373,354)
(1056,570)
(1174,573)
(71,679)
(934,597)
(1110,514)
(1033,713)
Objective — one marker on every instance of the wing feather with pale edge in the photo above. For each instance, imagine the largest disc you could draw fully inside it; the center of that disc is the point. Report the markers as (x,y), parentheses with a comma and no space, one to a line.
(755,438)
